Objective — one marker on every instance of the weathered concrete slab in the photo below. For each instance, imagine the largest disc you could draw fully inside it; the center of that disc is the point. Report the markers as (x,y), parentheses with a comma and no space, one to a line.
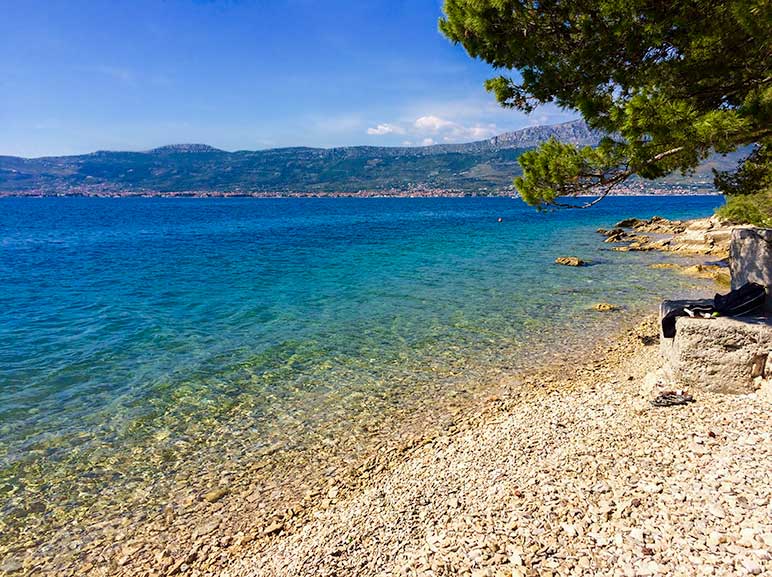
(722,355)
(750,258)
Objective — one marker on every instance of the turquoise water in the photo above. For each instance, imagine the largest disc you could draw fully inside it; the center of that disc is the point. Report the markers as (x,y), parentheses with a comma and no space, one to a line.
(136,332)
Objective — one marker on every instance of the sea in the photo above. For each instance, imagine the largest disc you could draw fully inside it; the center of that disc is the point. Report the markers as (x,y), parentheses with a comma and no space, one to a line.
(144,339)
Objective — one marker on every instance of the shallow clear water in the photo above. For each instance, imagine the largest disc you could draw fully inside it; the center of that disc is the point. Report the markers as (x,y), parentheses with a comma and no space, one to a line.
(132,331)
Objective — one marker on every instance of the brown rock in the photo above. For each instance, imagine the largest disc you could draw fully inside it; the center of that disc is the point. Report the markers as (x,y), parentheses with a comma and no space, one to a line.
(570,261)
(719,274)
(605,307)
(215,495)
(273,528)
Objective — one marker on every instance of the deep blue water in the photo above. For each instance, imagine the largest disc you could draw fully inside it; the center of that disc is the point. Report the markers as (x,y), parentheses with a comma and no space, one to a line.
(148,323)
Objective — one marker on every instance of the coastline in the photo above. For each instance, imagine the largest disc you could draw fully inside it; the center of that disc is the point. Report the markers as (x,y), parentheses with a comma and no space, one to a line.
(565,470)
(577,475)
(326,531)
(395,193)
(207,528)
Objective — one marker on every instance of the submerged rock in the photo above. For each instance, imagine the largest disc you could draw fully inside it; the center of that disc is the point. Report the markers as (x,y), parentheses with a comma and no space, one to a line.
(215,495)
(570,261)
(717,273)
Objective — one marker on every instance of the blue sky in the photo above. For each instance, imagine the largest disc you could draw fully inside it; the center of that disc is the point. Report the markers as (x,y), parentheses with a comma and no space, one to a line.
(83,76)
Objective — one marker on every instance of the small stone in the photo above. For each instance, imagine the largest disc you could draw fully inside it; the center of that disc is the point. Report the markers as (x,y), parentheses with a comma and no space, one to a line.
(716,511)
(763,554)
(752,566)
(637,535)
(215,495)
(649,568)
(123,560)
(11,566)
(715,538)
(747,537)
(273,528)
(653,488)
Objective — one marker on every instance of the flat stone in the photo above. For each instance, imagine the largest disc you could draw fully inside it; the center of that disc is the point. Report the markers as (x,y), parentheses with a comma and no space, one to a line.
(215,495)
(273,528)
(750,258)
(570,261)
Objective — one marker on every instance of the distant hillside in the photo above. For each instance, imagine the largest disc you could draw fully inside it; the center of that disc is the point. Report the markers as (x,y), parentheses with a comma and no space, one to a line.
(483,167)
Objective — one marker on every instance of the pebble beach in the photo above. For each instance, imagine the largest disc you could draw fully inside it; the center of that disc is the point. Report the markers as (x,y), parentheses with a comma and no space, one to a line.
(574,474)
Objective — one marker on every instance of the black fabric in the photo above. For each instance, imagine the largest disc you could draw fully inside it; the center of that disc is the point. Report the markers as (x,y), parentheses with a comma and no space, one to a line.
(742,301)
(671,311)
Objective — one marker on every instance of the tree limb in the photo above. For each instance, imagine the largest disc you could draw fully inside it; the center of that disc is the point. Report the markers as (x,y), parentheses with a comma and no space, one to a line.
(611,182)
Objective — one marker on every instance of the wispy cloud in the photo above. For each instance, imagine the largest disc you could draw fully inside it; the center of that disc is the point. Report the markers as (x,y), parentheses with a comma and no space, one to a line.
(431,128)
(386,128)
(463,121)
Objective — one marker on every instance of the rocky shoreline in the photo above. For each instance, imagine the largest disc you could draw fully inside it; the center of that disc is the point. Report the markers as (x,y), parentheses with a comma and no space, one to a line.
(565,470)
(706,237)
(570,471)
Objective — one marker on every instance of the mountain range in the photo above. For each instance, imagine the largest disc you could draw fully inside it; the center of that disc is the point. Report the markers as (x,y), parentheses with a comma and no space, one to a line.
(481,167)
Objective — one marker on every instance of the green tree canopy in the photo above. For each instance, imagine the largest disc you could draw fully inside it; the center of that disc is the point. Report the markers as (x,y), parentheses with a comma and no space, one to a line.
(668,82)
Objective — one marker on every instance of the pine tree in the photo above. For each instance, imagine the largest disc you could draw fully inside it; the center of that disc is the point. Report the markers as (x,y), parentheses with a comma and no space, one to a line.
(669,83)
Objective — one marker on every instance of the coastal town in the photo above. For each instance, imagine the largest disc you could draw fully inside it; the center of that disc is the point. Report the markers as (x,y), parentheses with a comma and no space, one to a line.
(634,188)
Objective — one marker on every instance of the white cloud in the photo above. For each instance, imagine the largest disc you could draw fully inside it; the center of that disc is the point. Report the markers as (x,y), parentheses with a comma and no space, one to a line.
(386,128)
(461,122)
(486,131)
(429,128)
(432,123)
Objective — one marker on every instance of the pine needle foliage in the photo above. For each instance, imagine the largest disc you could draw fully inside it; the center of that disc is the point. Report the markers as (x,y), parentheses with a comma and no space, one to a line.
(669,82)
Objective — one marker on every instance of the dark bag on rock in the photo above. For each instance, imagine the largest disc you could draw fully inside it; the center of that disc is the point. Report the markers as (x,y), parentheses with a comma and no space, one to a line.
(742,301)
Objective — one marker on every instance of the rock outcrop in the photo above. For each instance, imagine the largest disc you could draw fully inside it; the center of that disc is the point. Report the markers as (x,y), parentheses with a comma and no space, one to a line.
(750,258)
(570,261)
(719,355)
(707,236)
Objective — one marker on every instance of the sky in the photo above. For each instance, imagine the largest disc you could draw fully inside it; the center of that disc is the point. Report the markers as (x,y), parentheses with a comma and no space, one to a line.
(79,76)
